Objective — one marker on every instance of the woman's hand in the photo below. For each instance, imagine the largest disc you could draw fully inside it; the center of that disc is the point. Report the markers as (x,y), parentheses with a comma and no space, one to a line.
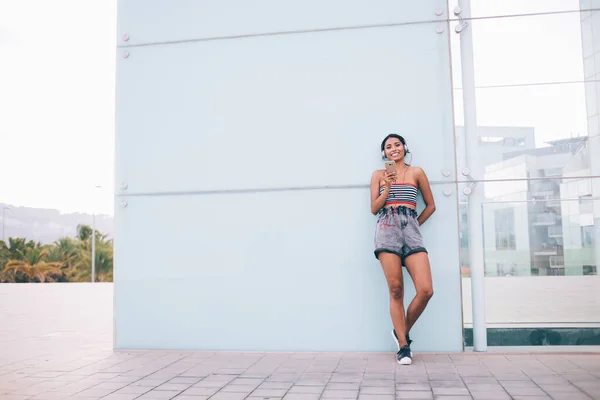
(389,178)
(378,198)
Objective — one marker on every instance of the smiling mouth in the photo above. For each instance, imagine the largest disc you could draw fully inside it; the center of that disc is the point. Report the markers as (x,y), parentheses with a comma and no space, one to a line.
(395,154)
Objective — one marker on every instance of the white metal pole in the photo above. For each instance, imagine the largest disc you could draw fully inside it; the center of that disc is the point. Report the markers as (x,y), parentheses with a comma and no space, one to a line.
(476,254)
(94,236)
(93,247)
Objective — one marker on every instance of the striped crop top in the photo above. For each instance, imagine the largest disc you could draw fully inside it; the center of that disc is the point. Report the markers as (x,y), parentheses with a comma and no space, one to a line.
(401,194)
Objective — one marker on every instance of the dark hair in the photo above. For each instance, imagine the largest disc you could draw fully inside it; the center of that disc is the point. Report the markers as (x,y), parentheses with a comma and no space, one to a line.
(392,135)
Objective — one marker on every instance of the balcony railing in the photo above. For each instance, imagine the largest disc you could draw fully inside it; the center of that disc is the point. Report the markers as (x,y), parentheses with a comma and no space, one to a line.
(555,231)
(557,261)
(545,219)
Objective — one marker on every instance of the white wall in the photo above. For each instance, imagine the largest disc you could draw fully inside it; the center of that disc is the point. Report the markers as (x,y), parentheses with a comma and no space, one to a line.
(247,162)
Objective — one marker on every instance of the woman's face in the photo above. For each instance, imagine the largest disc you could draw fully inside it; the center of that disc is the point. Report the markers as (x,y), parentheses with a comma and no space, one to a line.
(394,149)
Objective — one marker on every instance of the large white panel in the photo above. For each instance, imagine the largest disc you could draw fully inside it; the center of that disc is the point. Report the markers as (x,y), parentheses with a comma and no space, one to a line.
(284,270)
(280,111)
(150,21)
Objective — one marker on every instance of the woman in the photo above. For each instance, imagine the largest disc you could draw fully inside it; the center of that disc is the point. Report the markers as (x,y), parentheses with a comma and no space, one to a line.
(398,241)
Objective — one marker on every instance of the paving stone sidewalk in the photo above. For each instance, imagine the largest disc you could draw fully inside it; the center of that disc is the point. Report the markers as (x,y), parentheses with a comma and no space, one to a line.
(301,376)
(56,343)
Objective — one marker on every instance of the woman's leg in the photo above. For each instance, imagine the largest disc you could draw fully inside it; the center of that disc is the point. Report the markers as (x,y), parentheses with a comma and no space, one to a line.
(418,267)
(392,269)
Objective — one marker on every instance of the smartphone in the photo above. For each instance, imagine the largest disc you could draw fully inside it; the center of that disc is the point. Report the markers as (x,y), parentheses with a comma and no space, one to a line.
(390,167)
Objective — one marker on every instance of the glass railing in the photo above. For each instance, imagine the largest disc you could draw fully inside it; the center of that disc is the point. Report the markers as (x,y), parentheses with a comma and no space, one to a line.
(539,274)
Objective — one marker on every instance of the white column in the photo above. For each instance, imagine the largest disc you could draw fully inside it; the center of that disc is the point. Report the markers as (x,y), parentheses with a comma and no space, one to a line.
(475,199)
(590,33)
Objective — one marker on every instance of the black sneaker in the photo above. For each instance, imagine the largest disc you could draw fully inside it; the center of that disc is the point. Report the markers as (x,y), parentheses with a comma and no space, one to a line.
(403,356)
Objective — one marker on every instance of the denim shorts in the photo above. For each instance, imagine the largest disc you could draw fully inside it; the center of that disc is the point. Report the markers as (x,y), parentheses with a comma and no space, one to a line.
(398,233)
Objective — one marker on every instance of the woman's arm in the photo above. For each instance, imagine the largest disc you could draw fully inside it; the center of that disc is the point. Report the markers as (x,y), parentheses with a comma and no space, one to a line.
(423,184)
(377,200)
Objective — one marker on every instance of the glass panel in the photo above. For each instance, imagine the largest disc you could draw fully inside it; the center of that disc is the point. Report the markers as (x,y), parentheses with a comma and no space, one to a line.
(531,225)
(177,20)
(509,42)
(529,132)
(490,8)
(536,115)
(541,246)
(289,108)
(502,49)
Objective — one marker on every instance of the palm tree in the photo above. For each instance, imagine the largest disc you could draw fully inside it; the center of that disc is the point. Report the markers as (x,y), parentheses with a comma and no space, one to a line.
(4,258)
(104,264)
(16,249)
(104,258)
(18,246)
(84,232)
(65,251)
(4,254)
(67,259)
(33,267)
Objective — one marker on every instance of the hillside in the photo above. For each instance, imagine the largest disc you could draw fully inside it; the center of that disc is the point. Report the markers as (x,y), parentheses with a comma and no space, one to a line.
(47,225)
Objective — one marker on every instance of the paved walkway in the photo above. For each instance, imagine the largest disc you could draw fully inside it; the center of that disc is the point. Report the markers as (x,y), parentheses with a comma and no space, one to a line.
(56,344)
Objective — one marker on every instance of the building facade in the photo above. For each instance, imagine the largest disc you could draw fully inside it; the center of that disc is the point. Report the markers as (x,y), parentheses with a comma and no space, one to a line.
(247,133)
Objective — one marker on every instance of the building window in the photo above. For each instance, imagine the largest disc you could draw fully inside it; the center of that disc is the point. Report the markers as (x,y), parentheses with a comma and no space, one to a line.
(554,172)
(491,140)
(587,236)
(505,229)
(586,205)
(590,270)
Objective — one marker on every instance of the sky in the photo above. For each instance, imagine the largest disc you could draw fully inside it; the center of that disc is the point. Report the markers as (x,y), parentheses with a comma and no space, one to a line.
(57,79)
(514,52)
